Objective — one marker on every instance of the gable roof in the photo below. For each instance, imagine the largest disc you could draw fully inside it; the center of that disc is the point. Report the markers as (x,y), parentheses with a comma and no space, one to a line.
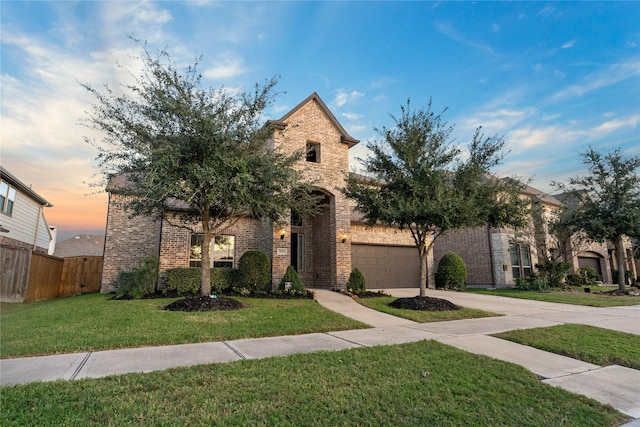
(543,197)
(12,180)
(344,136)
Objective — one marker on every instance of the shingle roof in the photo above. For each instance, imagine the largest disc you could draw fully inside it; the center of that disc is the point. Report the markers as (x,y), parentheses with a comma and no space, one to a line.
(80,245)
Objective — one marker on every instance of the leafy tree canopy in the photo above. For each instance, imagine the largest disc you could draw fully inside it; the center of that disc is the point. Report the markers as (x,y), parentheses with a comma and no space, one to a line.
(604,203)
(417,178)
(202,150)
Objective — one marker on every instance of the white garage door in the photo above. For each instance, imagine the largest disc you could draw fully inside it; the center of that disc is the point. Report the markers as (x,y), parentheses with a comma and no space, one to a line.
(386,267)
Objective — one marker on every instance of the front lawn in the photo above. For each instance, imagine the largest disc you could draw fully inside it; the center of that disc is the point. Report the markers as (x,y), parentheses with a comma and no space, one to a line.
(382,304)
(587,343)
(419,384)
(94,322)
(576,297)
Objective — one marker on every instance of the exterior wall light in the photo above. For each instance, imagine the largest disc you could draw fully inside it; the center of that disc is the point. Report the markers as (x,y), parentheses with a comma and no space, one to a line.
(282,233)
(343,237)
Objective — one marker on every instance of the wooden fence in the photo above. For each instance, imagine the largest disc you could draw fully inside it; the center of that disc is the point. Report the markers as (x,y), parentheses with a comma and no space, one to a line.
(33,276)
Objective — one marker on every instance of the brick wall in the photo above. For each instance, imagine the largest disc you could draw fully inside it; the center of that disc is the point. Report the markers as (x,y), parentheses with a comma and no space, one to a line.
(249,234)
(127,241)
(330,261)
(472,244)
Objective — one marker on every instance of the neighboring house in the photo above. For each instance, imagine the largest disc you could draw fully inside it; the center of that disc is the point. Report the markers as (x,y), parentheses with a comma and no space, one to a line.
(80,245)
(496,256)
(22,219)
(323,249)
(597,255)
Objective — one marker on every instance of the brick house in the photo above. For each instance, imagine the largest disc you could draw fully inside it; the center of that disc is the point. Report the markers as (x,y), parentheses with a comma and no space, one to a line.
(497,256)
(326,248)
(323,249)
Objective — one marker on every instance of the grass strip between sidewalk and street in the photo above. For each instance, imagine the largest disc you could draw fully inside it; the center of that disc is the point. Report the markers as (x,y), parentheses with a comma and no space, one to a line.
(424,383)
(94,322)
(599,346)
(382,304)
(574,297)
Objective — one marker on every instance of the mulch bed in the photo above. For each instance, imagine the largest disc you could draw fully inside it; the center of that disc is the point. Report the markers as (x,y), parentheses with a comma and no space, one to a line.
(204,304)
(424,304)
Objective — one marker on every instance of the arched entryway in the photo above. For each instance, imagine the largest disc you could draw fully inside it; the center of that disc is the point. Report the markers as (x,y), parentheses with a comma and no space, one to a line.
(313,244)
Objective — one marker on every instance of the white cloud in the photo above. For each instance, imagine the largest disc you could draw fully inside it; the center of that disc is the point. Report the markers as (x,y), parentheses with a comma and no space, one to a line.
(451,32)
(569,44)
(497,121)
(356,128)
(225,68)
(614,125)
(352,116)
(343,97)
(600,79)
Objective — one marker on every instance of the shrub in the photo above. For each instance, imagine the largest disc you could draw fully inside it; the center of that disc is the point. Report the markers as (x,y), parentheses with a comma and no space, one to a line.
(451,272)
(554,271)
(183,280)
(628,275)
(589,276)
(187,280)
(126,285)
(537,283)
(356,282)
(292,277)
(139,280)
(573,280)
(254,269)
(522,284)
(223,278)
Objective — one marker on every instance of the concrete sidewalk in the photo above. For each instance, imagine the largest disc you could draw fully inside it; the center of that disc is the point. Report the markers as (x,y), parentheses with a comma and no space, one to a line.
(615,385)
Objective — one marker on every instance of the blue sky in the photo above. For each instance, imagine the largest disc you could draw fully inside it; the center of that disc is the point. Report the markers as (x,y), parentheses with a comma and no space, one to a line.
(551,77)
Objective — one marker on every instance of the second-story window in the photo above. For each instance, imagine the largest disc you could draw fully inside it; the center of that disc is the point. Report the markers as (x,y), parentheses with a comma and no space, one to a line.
(7,197)
(313,152)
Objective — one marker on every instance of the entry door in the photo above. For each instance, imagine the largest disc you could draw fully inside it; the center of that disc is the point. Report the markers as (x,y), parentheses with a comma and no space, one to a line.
(297,251)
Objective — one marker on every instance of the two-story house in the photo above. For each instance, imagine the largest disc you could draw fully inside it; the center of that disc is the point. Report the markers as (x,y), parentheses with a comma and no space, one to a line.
(323,249)
(22,219)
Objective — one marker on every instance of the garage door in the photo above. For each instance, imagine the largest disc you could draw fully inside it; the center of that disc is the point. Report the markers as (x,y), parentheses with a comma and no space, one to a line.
(386,267)
(590,262)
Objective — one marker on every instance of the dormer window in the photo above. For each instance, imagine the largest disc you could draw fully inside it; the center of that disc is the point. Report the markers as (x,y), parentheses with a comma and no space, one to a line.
(313,152)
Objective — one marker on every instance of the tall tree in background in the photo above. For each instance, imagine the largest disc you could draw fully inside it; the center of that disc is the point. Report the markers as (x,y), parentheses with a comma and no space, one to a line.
(202,148)
(417,179)
(607,201)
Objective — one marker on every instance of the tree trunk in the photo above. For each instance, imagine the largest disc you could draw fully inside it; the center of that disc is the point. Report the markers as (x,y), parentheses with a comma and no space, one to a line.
(427,277)
(205,278)
(422,251)
(622,277)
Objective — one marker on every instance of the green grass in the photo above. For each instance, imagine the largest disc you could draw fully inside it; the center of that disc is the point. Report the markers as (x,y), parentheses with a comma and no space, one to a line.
(576,297)
(93,322)
(587,343)
(364,386)
(382,304)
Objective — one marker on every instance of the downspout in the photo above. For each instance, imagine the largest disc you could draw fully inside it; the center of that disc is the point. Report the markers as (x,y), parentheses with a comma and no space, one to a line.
(35,237)
(493,271)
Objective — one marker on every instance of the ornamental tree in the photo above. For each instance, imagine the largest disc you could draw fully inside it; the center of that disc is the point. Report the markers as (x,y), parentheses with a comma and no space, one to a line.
(417,179)
(605,202)
(203,149)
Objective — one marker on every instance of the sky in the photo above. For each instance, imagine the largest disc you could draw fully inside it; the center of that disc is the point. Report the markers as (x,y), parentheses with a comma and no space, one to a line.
(551,78)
